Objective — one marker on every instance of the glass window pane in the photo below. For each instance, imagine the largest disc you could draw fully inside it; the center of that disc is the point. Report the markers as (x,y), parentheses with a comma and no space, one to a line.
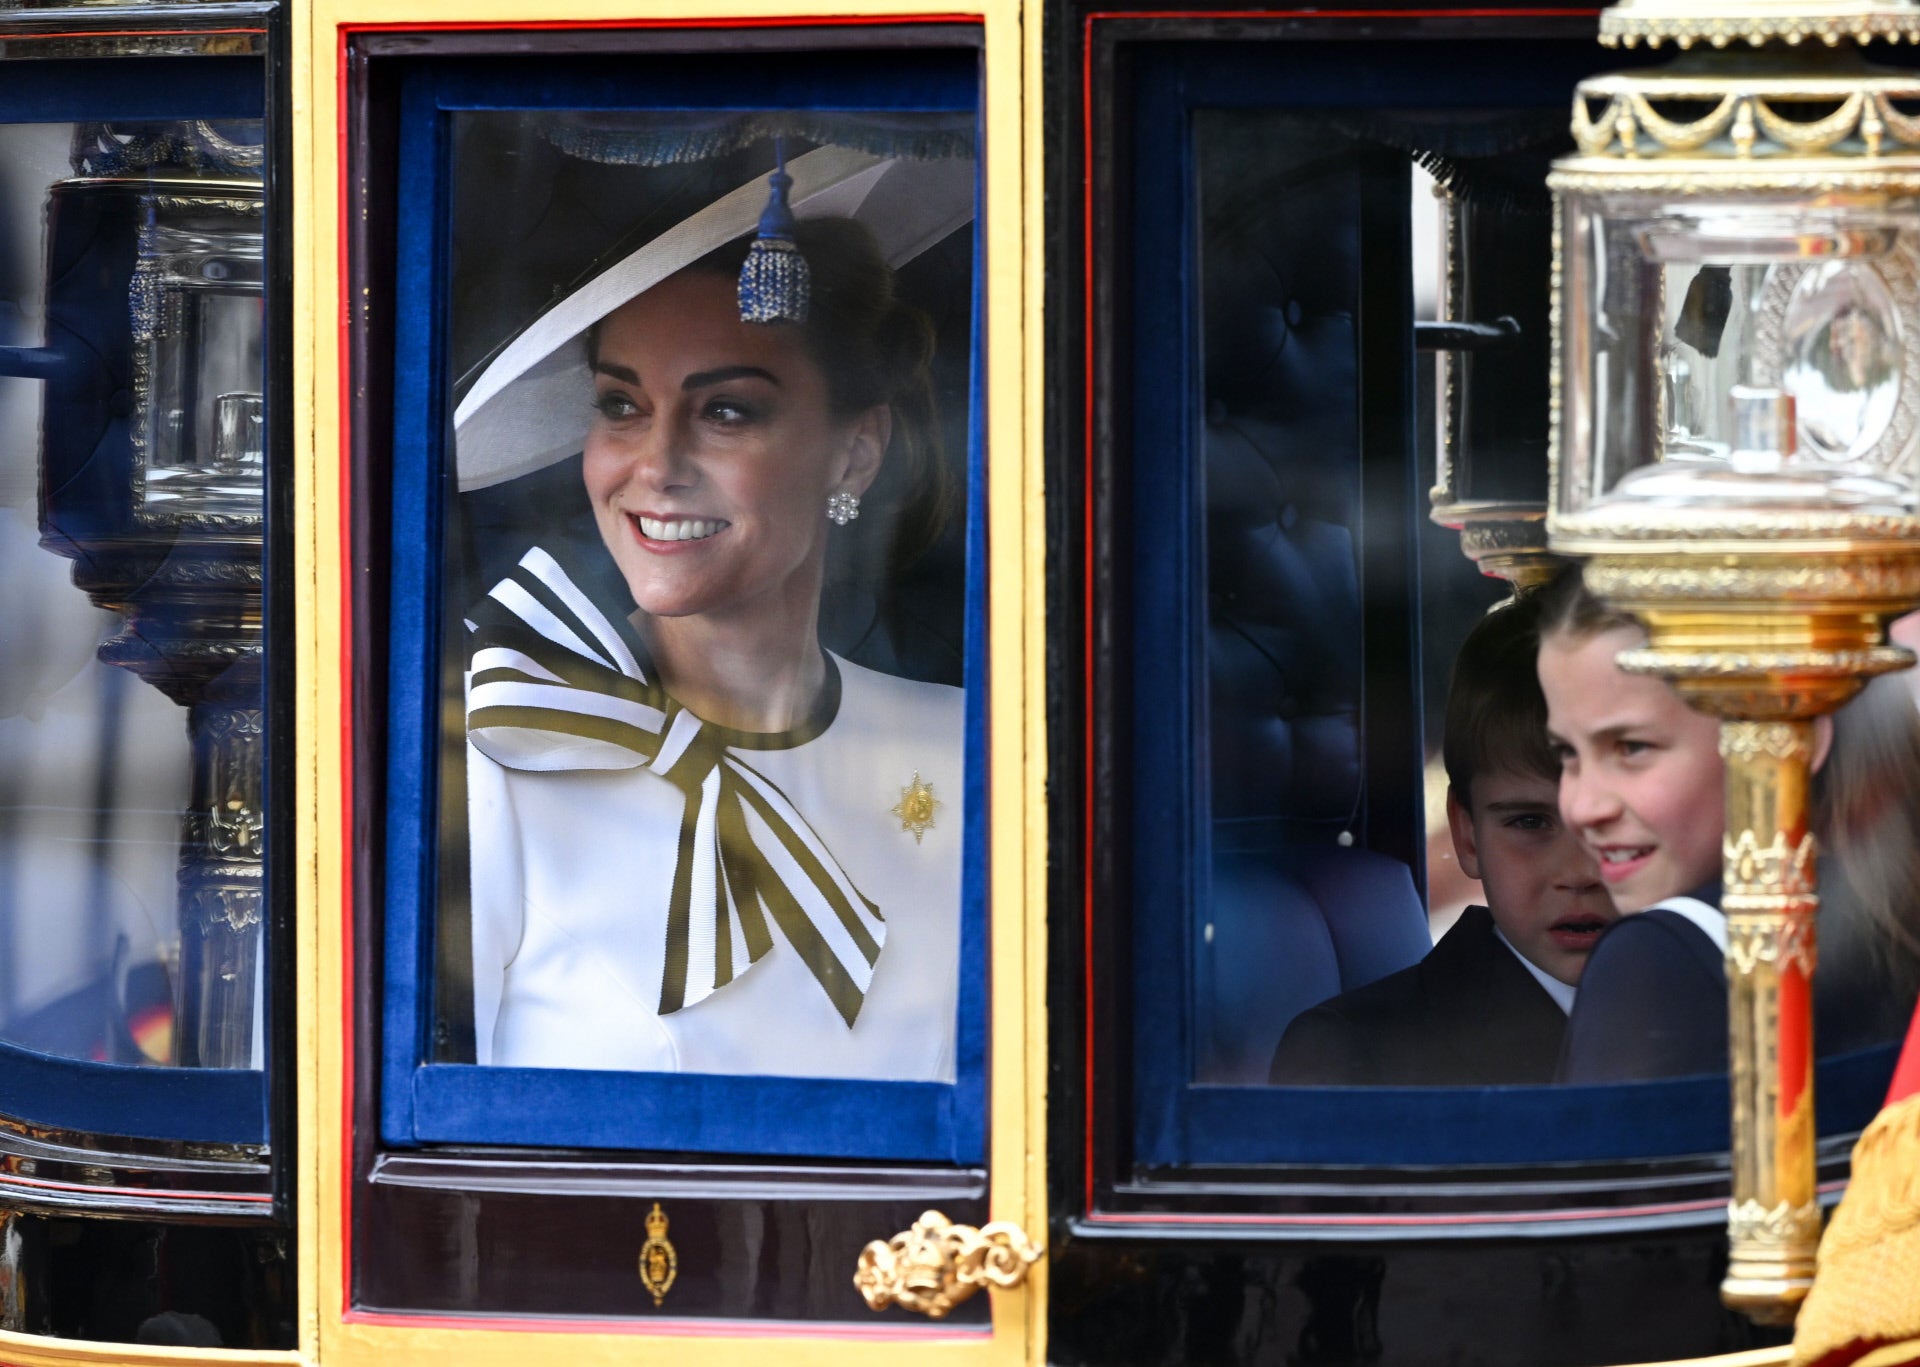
(1278,526)
(704,596)
(131,463)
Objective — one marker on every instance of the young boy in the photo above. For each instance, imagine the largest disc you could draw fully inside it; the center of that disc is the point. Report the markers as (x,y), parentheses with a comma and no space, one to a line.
(1488,1006)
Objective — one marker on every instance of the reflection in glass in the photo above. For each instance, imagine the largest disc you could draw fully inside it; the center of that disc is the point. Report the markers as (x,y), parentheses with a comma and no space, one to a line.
(1814,310)
(198,318)
(1285,924)
(131,808)
(1843,336)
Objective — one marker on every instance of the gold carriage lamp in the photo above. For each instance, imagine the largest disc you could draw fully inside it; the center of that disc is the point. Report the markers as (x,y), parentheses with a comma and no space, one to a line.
(1736,450)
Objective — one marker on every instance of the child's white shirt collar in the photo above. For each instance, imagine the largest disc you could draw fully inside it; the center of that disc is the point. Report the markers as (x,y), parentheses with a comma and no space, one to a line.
(1562,993)
(1711,920)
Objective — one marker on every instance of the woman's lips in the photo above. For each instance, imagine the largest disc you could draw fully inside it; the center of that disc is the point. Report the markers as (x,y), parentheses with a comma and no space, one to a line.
(673,533)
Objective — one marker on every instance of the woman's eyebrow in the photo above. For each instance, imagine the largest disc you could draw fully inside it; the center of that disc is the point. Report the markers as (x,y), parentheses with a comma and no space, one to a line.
(702,378)
(617,372)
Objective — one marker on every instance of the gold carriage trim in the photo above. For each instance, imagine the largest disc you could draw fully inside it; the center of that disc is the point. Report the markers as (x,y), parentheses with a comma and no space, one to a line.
(937,1264)
(1687,22)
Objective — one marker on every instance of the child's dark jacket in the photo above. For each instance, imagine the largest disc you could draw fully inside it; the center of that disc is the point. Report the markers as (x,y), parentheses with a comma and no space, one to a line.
(1467,1015)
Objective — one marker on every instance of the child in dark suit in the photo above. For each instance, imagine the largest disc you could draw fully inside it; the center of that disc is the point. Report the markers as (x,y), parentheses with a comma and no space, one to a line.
(1488,1006)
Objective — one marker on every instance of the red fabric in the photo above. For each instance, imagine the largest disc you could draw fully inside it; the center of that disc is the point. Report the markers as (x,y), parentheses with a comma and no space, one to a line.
(1906,1077)
(1796,1040)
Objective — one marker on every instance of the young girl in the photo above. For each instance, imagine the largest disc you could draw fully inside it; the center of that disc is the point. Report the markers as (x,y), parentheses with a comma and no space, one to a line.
(1642,782)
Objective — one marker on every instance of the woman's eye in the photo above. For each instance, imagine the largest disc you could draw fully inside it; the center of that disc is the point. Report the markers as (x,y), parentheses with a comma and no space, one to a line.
(1630,749)
(729,412)
(615,405)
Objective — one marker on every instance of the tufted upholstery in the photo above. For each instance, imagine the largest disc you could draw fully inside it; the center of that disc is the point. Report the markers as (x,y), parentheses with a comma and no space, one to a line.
(1292,916)
(1289,928)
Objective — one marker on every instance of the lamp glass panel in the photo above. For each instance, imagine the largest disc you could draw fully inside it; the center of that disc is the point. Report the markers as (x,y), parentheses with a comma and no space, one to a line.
(1807,310)
(201,412)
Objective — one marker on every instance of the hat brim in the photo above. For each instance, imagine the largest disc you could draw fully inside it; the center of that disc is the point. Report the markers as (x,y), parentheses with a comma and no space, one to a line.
(530,406)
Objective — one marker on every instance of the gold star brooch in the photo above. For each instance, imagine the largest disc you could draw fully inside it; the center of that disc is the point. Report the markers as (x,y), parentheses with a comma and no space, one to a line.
(916,807)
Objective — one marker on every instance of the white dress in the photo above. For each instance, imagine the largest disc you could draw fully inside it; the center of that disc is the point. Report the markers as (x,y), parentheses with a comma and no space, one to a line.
(571,879)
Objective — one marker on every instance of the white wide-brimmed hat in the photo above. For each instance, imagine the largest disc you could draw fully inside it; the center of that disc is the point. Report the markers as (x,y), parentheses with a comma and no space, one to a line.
(531,405)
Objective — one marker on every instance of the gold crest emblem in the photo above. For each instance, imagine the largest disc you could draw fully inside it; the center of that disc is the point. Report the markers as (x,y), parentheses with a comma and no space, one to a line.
(658,1262)
(916,807)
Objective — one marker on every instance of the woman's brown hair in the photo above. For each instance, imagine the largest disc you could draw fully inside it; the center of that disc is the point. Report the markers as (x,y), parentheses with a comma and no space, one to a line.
(1866,801)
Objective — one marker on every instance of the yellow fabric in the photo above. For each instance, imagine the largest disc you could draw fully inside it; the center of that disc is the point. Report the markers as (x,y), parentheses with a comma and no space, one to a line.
(1865,1303)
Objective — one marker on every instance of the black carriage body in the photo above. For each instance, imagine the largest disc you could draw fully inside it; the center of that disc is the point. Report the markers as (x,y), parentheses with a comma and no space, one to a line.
(1194,1219)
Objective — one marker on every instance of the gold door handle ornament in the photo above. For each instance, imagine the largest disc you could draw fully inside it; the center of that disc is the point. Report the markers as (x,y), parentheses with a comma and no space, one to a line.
(937,1264)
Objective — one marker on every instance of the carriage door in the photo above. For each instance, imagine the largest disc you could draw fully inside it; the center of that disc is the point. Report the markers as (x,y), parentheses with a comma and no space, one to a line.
(148,1155)
(1262,218)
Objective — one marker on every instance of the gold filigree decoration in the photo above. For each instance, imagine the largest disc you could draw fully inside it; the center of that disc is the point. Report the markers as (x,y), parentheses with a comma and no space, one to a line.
(1803,664)
(236,908)
(1747,740)
(1774,867)
(1785,941)
(937,1264)
(235,828)
(1781,1226)
(1486,532)
(1446,363)
(1747,111)
(916,807)
(1556,461)
(659,1261)
(250,155)
(1888,535)
(1628,26)
(1598,176)
(1627,113)
(1857,116)
(1505,540)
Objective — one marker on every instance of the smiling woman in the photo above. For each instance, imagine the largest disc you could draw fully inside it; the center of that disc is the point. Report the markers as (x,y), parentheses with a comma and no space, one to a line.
(699,840)
(716,447)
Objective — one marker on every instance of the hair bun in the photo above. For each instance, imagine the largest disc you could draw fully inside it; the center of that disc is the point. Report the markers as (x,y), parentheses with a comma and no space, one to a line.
(905,342)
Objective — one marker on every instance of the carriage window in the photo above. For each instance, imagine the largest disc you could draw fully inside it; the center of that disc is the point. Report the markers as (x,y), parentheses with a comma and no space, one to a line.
(1371,887)
(697,673)
(145,1094)
(133,816)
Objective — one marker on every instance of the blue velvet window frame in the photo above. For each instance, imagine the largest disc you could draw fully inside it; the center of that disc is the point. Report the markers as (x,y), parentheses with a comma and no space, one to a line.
(211,1105)
(1177,1122)
(423,1102)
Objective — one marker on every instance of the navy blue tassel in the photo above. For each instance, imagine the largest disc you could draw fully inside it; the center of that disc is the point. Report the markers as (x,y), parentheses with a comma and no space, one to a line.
(775,283)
